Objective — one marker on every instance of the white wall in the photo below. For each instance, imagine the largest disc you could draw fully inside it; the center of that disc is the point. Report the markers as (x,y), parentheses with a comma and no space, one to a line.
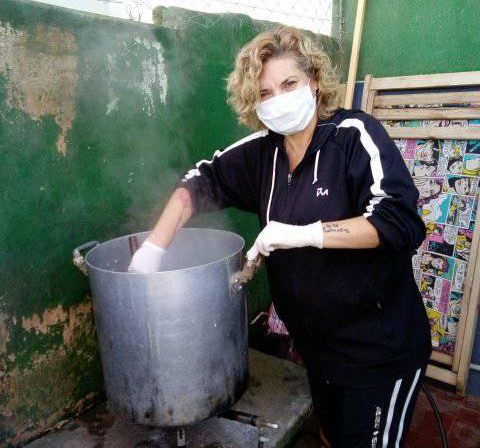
(113,8)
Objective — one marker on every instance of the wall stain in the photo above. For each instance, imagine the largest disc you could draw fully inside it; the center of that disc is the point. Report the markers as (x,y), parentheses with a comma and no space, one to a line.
(36,398)
(4,339)
(41,72)
(4,336)
(150,78)
(53,316)
(50,317)
(76,319)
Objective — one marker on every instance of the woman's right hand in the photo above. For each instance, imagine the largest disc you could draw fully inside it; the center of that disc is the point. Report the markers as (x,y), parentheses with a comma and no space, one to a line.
(177,212)
(147,259)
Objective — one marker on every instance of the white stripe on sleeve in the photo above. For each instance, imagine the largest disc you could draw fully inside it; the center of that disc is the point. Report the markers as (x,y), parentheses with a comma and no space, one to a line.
(196,172)
(375,162)
(315,169)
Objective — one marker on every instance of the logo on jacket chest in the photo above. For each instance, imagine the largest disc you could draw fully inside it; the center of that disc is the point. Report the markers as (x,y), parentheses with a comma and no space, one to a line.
(321,191)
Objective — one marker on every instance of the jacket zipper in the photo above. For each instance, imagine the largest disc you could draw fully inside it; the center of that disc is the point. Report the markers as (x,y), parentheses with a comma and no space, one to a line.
(287,205)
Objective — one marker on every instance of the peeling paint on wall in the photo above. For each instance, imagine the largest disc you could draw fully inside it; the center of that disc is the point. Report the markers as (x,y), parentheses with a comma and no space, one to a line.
(37,397)
(4,339)
(44,391)
(41,324)
(153,73)
(4,336)
(54,316)
(41,72)
(77,315)
(151,79)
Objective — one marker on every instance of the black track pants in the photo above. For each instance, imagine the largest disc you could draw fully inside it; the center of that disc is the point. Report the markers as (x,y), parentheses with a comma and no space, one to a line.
(373,417)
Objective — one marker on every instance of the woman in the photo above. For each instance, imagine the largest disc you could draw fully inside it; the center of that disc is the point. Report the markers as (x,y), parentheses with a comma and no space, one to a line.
(338,211)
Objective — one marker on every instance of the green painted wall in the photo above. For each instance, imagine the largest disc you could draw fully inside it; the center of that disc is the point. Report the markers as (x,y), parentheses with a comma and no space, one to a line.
(98,118)
(408,37)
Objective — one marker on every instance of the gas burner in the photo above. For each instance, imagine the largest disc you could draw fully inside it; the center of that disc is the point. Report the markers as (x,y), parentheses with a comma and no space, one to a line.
(165,438)
(200,436)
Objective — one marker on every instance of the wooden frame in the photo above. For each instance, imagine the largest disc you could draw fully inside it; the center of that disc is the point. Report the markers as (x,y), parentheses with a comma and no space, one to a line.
(355,53)
(381,99)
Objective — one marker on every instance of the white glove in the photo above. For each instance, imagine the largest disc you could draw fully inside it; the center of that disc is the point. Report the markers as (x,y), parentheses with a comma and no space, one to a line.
(276,235)
(147,259)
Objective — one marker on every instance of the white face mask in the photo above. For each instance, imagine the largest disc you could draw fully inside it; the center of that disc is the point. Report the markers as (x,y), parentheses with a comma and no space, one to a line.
(289,112)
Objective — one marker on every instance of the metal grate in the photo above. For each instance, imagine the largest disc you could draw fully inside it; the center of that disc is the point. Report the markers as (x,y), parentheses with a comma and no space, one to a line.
(313,15)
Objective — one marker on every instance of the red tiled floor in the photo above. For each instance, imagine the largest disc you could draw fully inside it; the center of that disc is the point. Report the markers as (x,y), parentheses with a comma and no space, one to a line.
(464,435)
(469,416)
(415,439)
(472,403)
(460,417)
(424,419)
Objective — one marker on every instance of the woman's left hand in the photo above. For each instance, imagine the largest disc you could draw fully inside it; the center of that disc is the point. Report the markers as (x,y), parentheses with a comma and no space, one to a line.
(277,235)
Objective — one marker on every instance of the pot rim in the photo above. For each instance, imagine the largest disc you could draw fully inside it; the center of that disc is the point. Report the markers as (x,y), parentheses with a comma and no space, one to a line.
(191,268)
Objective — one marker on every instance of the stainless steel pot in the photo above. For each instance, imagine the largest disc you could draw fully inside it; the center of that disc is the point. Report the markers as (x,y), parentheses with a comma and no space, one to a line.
(174,343)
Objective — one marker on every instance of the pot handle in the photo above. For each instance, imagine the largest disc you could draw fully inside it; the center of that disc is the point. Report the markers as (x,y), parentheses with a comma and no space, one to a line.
(78,259)
(241,278)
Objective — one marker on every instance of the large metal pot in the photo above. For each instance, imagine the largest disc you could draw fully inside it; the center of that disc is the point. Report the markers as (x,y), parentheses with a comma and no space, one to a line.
(174,343)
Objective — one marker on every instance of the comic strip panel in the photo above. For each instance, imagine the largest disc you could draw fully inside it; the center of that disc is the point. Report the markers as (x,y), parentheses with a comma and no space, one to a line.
(446,174)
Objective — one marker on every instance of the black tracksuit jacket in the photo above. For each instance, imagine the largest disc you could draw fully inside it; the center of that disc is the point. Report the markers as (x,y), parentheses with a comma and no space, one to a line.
(356,315)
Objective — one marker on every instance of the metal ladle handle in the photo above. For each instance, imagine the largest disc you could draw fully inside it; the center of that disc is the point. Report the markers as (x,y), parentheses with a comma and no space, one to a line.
(241,278)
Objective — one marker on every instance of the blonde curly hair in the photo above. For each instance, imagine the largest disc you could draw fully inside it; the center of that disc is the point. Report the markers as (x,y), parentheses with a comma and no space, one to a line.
(243,85)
